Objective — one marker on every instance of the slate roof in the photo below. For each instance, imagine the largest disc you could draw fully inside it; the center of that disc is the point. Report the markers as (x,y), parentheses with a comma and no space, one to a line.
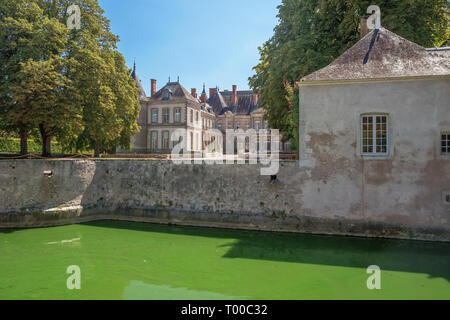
(177,92)
(387,55)
(141,90)
(217,102)
(222,102)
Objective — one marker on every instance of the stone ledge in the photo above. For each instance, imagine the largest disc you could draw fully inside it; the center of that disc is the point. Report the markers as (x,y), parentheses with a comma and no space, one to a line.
(245,221)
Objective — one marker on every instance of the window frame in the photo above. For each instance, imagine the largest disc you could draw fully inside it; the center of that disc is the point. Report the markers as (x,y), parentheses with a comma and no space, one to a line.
(157,116)
(152,145)
(374,144)
(257,125)
(175,113)
(163,146)
(447,142)
(165,114)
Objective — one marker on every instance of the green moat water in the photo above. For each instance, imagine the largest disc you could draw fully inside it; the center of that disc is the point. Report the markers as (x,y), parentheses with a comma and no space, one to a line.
(122,260)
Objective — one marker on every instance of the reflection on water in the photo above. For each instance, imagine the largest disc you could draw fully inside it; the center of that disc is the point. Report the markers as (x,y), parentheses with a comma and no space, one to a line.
(138,290)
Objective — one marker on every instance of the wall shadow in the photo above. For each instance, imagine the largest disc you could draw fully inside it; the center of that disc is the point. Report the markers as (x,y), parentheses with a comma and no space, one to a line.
(431,258)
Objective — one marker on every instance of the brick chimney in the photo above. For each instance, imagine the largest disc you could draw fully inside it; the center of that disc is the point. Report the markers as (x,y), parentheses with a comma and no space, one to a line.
(153,87)
(194,93)
(255,98)
(235,95)
(364,29)
(211,91)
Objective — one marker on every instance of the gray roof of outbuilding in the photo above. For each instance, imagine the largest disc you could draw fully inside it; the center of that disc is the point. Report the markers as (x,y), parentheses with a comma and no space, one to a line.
(388,56)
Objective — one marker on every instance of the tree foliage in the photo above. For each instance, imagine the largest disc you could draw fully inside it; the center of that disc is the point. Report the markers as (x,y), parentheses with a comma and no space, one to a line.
(312,33)
(68,84)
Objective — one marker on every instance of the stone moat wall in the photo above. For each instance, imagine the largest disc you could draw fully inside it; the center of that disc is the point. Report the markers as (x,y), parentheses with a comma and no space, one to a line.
(226,196)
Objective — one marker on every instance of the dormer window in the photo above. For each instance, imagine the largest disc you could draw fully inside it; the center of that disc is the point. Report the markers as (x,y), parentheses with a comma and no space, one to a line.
(167,94)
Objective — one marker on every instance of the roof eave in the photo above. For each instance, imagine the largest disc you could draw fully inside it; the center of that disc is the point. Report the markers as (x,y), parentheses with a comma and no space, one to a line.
(370,80)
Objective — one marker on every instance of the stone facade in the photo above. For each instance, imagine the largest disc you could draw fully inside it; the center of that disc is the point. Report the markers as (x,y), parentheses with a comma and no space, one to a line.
(173,107)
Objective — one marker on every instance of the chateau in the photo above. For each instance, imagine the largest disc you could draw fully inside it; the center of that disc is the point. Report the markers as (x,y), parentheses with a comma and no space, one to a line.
(173,107)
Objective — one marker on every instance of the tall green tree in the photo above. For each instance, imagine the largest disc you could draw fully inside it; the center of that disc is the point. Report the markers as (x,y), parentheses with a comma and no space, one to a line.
(69,84)
(312,33)
(26,34)
(45,98)
(108,96)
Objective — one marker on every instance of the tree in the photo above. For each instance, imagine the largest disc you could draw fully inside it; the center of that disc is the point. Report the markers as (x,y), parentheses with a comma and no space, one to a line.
(110,99)
(70,84)
(107,95)
(45,99)
(23,30)
(312,33)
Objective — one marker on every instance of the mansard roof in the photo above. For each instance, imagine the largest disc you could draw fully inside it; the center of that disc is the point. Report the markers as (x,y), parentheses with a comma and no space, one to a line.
(382,54)
(217,102)
(222,102)
(177,92)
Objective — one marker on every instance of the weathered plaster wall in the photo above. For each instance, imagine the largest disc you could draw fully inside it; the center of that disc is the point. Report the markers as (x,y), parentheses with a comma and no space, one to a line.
(236,196)
(406,187)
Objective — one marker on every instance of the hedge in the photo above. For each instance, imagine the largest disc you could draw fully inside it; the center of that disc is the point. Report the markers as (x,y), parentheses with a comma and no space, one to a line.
(12,145)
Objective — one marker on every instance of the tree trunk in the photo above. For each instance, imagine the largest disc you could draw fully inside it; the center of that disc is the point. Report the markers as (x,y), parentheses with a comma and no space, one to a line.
(46,142)
(96,150)
(23,141)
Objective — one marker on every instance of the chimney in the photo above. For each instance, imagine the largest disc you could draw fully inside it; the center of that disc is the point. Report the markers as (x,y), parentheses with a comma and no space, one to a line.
(194,93)
(255,98)
(153,87)
(234,95)
(364,29)
(211,91)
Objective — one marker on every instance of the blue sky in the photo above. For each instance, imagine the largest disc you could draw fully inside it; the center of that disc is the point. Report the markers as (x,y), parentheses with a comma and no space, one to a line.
(211,41)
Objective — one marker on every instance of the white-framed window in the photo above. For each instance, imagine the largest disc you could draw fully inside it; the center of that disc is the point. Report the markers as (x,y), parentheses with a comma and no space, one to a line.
(197,141)
(155,115)
(445,143)
(257,125)
(374,135)
(192,116)
(166,117)
(177,115)
(219,126)
(165,140)
(154,140)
